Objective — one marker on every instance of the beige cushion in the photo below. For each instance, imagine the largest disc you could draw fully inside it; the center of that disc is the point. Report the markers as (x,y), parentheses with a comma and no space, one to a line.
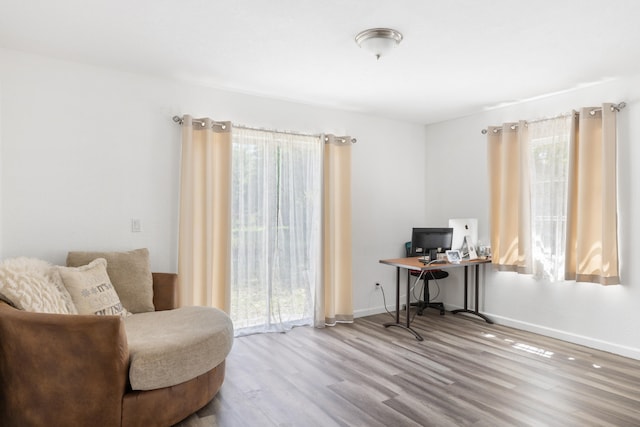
(130,273)
(91,289)
(32,284)
(173,346)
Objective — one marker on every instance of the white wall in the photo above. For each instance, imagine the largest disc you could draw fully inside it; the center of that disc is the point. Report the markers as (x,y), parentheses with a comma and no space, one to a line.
(85,149)
(594,315)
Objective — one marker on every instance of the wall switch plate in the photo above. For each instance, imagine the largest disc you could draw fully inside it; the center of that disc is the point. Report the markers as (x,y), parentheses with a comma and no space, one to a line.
(136,225)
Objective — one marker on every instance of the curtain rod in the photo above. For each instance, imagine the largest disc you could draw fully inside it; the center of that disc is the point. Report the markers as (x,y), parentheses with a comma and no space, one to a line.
(343,139)
(286,132)
(614,107)
(179,120)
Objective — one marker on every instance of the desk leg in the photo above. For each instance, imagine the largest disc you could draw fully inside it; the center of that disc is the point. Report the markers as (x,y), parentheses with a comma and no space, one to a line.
(397,322)
(466,286)
(408,302)
(476,311)
(397,294)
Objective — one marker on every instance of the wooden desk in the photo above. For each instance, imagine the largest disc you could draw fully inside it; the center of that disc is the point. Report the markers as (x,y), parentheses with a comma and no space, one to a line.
(413,263)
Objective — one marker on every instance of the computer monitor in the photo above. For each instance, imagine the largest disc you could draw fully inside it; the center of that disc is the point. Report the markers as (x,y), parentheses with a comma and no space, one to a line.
(427,241)
(463,227)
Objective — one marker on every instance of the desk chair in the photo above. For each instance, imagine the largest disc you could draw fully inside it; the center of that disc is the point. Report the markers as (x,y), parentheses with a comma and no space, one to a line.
(426,302)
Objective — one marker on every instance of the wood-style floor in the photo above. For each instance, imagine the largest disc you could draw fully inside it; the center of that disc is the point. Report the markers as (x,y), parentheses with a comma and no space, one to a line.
(465,373)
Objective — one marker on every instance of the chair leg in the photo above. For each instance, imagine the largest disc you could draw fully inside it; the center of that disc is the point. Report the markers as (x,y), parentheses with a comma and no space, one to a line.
(421,304)
(439,306)
(427,300)
(424,303)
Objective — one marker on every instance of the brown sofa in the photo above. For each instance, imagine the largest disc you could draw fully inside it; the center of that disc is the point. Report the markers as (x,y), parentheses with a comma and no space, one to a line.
(73,370)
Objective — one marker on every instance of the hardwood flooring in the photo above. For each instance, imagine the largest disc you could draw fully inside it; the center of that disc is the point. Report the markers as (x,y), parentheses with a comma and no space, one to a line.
(465,373)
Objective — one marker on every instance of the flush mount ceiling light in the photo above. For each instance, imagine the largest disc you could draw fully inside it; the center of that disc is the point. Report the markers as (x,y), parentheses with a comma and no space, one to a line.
(379,41)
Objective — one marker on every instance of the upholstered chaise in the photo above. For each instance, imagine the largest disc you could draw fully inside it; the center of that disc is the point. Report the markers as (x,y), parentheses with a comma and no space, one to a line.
(78,370)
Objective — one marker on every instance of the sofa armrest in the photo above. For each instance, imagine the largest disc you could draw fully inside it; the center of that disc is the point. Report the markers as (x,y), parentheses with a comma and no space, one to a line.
(59,369)
(165,291)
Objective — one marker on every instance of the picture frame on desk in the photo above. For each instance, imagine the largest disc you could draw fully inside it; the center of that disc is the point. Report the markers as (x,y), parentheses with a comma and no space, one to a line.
(484,252)
(453,256)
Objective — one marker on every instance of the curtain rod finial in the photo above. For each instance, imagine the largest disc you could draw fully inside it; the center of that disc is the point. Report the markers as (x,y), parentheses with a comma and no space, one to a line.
(619,106)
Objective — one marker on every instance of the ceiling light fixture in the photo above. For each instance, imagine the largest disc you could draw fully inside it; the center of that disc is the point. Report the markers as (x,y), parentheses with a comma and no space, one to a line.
(379,41)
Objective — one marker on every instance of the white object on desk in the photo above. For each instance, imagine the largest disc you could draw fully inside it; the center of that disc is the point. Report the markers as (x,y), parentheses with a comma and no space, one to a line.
(463,227)
(453,256)
(468,248)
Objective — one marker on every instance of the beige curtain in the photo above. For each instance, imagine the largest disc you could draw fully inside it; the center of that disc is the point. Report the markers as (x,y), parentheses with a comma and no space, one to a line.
(335,296)
(591,253)
(592,242)
(510,197)
(205,205)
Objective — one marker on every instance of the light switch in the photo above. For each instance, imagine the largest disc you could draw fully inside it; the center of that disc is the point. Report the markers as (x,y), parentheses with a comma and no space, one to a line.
(136,225)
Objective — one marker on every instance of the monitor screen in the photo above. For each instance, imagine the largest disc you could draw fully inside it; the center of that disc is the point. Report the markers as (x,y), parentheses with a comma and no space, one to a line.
(427,241)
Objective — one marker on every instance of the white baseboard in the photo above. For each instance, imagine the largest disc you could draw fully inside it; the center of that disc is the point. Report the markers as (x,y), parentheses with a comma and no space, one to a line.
(633,353)
(372,311)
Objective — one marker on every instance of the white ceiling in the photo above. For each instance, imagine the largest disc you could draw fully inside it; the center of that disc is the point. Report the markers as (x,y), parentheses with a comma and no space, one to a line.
(458,56)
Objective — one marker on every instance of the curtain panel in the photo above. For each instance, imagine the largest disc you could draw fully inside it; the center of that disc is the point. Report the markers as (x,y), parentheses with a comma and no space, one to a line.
(592,223)
(510,197)
(522,191)
(335,298)
(205,213)
(276,229)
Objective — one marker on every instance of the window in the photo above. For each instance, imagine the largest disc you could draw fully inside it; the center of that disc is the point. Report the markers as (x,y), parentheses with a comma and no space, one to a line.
(553,196)
(275,243)
(548,154)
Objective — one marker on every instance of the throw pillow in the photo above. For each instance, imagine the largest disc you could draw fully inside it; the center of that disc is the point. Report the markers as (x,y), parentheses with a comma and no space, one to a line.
(130,273)
(91,289)
(32,284)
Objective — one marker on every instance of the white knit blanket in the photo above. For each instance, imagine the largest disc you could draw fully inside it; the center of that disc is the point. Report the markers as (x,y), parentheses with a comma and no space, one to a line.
(34,285)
